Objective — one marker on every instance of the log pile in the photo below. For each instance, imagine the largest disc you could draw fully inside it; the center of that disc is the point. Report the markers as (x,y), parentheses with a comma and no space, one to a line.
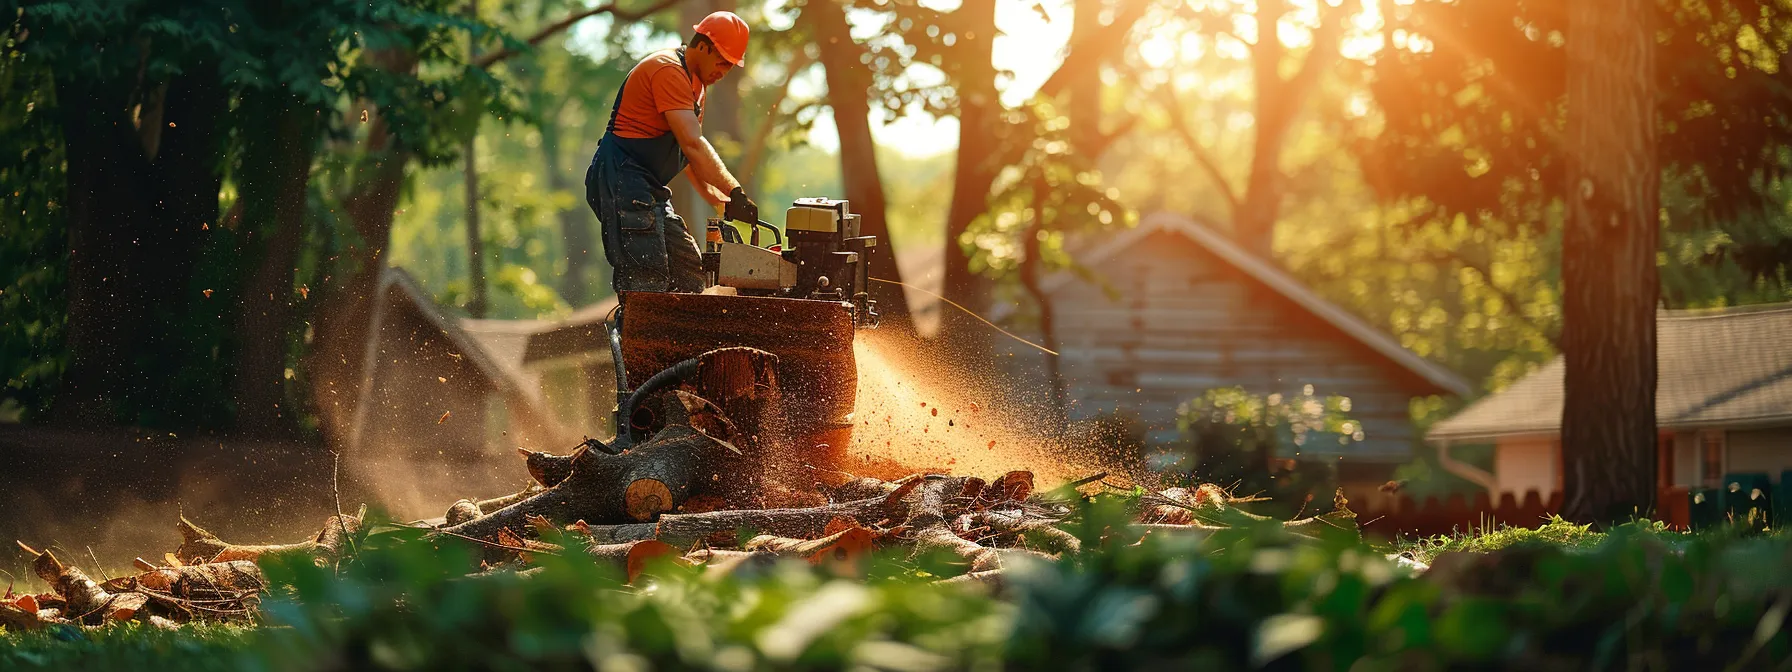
(704,474)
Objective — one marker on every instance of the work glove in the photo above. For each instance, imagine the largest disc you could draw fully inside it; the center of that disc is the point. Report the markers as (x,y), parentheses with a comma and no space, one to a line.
(740,208)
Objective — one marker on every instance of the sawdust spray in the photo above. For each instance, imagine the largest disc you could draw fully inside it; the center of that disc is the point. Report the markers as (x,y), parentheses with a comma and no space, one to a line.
(920,410)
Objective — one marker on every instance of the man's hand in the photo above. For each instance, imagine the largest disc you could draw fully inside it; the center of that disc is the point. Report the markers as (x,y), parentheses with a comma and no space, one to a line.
(740,208)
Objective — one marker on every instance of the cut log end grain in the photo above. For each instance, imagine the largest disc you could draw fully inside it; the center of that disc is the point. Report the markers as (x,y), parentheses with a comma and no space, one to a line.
(633,557)
(462,511)
(646,498)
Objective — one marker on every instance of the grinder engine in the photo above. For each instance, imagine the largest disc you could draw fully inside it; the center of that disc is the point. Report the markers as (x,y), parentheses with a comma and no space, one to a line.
(825,258)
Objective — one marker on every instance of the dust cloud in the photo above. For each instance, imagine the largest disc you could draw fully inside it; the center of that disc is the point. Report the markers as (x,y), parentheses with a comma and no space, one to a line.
(921,410)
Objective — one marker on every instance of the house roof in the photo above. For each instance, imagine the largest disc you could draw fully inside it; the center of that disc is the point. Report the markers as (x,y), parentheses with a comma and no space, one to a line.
(1728,368)
(1273,277)
(397,289)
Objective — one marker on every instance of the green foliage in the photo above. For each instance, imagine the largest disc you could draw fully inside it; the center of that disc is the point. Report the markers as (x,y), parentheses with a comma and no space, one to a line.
(1473,121)
(33,242)
(1252,443)
(1249,597)
(127,646)
(1555,532)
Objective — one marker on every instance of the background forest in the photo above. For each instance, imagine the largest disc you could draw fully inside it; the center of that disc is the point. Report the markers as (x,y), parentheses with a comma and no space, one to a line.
(195,200)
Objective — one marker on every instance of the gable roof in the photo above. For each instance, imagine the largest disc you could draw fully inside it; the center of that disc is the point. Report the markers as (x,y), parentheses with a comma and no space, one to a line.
(398,290)
(1272,277)
(1727,368)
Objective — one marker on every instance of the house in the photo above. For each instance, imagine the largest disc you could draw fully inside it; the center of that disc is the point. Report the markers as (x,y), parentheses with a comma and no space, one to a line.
(444,401)
(1723,405)
(1190,311)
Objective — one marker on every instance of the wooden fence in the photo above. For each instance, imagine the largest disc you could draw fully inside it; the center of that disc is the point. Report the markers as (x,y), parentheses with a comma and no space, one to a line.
(1404,516)
(1749,498)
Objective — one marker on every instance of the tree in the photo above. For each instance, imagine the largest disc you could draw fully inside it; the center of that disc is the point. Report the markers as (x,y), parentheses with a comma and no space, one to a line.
(1474,127)
(1609,278)
(405,124)
(1278,99)
(850,79)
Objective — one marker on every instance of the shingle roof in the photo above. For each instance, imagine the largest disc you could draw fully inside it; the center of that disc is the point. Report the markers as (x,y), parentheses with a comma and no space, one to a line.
(1716,368)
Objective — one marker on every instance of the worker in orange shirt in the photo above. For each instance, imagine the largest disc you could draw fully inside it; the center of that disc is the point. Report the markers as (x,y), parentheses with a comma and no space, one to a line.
(655,133)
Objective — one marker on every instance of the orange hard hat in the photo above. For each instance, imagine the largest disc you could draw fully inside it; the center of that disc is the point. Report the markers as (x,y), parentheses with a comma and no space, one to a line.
(729,33)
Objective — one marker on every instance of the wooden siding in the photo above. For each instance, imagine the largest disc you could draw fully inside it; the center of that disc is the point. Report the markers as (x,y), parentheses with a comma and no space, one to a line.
(1767,451)
(1186,322)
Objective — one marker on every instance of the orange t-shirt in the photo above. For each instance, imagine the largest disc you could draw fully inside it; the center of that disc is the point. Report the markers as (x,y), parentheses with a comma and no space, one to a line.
(656,85)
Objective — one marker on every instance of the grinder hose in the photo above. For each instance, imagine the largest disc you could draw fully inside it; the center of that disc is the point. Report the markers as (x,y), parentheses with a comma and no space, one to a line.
(672,375)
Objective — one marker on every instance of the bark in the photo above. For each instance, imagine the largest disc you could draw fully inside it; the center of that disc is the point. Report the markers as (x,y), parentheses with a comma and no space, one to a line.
(655,477)
(86,601)
(1609,277)
(632,557)
(345,307)
(216,580)
(460,512)
(199,546)
(979,111)
(1032,279)
(135,225)
(585,264)
(720,526)
(849,94)
(14,619)
(274,180)
(547,468)
(481,301)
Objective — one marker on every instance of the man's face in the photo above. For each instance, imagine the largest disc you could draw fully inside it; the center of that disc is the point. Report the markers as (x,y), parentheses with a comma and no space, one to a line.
(709,66)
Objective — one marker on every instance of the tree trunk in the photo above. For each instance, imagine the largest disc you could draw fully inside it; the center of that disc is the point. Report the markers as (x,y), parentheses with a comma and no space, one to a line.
(1032,276)
(346,305)
(274,180)
(1084,87)
(979,112)
(102,206)
(480,301)
(585,265)
(849,85)
(135,226)
(1609,279)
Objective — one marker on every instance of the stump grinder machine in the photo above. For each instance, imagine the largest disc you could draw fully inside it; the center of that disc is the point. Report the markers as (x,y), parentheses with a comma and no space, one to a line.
(766,350)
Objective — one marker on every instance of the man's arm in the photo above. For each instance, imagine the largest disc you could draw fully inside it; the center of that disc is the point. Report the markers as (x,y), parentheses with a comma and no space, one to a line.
(715,196)
(704,163)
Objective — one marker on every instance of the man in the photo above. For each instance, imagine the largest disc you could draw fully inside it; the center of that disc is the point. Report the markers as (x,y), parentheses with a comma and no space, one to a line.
(655,133)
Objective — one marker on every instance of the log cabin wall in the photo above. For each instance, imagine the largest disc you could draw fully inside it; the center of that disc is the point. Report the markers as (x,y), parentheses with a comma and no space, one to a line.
(1185,320)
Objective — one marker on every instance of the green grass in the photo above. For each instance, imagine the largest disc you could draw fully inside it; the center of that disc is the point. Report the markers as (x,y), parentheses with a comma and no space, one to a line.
(1555,532)
(127,646)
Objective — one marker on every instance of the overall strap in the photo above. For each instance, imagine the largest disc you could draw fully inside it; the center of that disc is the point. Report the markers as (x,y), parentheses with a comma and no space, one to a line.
(616,107)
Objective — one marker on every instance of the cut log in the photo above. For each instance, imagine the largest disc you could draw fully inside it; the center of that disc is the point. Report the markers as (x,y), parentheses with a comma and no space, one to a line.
(199,546)
(1015,527)
(990,578)
(216,580)
(460,512)
(548,469)
(86,601)
(14,619)
(677,463)
(632,557)
(496,503)
(937,502)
